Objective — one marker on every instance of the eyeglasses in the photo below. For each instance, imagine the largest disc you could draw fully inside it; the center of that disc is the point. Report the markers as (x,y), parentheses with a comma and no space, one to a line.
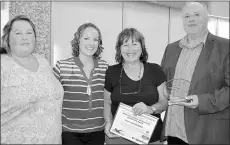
(130,93)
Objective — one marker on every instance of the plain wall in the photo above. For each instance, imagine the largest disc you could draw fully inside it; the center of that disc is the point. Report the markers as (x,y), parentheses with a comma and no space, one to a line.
(219,9)
(111,18)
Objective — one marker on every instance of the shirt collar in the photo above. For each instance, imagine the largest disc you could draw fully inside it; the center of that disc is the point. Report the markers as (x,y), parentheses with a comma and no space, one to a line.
(184,41)
(81,65)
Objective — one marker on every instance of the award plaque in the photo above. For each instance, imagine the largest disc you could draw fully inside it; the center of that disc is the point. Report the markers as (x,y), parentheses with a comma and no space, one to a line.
(177,90)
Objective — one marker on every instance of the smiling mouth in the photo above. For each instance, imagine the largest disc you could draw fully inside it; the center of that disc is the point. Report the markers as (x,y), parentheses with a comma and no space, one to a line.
(89,48)
(192,25)
(25,44)
(130,54)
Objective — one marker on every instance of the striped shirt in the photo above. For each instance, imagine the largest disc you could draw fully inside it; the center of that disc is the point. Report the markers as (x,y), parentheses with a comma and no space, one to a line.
(187,60)
(83,103)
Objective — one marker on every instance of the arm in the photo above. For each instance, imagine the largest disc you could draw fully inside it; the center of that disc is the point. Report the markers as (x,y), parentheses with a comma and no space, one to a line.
(56,71)
(162,103)
(14,113)
(107,107)
(219,100)
(107,114)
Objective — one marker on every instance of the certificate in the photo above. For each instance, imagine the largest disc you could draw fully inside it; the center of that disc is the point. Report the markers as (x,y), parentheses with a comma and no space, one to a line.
(137,129)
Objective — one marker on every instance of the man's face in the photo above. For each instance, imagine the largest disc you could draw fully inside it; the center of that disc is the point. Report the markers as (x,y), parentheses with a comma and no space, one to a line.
(195,18)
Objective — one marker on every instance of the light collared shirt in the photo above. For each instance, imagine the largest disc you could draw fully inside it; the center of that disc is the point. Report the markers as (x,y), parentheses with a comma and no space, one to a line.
(187,60)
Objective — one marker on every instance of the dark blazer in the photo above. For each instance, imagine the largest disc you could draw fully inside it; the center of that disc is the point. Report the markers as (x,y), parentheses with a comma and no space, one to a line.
(209,123)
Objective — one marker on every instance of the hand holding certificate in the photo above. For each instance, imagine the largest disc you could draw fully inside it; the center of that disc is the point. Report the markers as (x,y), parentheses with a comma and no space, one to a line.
(137,129)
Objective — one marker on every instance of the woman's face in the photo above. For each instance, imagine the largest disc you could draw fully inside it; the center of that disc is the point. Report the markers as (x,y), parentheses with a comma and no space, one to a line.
(22,38)
(89,42)
(131,50)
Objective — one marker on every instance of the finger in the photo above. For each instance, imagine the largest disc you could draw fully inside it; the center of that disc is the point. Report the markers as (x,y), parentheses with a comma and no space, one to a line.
(112,135)
(189,98)
(138,111)
(138,104)
(136,107)
(141,112)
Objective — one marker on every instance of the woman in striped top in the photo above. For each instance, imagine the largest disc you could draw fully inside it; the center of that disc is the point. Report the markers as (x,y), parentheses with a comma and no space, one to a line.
(82,77)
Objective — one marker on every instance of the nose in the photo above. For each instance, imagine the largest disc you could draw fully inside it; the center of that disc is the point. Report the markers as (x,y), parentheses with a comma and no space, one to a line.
(24,37)
(91,42)
(191,20)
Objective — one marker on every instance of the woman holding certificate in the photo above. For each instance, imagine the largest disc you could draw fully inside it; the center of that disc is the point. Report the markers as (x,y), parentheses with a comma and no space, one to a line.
(134,82)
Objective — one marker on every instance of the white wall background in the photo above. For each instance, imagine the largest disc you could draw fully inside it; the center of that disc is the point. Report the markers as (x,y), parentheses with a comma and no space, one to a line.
(159,24)
(152,21)
(111,17)
(68,16)
(220,8)
(4,15)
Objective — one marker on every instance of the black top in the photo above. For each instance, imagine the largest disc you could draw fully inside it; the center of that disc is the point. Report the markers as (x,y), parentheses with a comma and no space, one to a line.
(153,77)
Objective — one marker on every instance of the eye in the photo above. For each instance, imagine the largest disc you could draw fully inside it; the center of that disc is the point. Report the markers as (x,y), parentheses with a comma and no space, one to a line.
(125,45)
(18,33)
(86,38)
(197,14)
(96,39)
(29,32)
(186,16)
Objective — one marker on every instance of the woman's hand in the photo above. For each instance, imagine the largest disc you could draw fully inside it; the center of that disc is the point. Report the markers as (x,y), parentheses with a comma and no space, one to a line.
(141,108)
(107,132)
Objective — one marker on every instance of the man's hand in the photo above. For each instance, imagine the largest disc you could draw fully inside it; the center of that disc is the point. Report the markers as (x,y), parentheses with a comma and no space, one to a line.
(190,101)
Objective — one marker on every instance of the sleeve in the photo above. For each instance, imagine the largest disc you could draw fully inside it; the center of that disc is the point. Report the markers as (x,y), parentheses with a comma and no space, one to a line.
(161,77)
(219,100)
(56,71)
(163,59)
(108,80)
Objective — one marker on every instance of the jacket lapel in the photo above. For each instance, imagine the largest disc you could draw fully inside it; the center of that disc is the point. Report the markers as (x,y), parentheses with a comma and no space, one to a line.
(176,53)
(202,60)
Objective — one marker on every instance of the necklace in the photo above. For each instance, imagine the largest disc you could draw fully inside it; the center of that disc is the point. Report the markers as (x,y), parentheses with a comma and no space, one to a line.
(140,70)
(139,77)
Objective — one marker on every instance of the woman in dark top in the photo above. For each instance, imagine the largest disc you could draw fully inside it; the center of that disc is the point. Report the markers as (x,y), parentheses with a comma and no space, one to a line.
(134,82)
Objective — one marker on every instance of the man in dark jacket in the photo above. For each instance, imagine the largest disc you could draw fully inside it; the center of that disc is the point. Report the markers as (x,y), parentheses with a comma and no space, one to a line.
(202,59)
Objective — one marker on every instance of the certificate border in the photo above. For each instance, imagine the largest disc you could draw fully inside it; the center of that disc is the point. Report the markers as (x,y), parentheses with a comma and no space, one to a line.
(143,114)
